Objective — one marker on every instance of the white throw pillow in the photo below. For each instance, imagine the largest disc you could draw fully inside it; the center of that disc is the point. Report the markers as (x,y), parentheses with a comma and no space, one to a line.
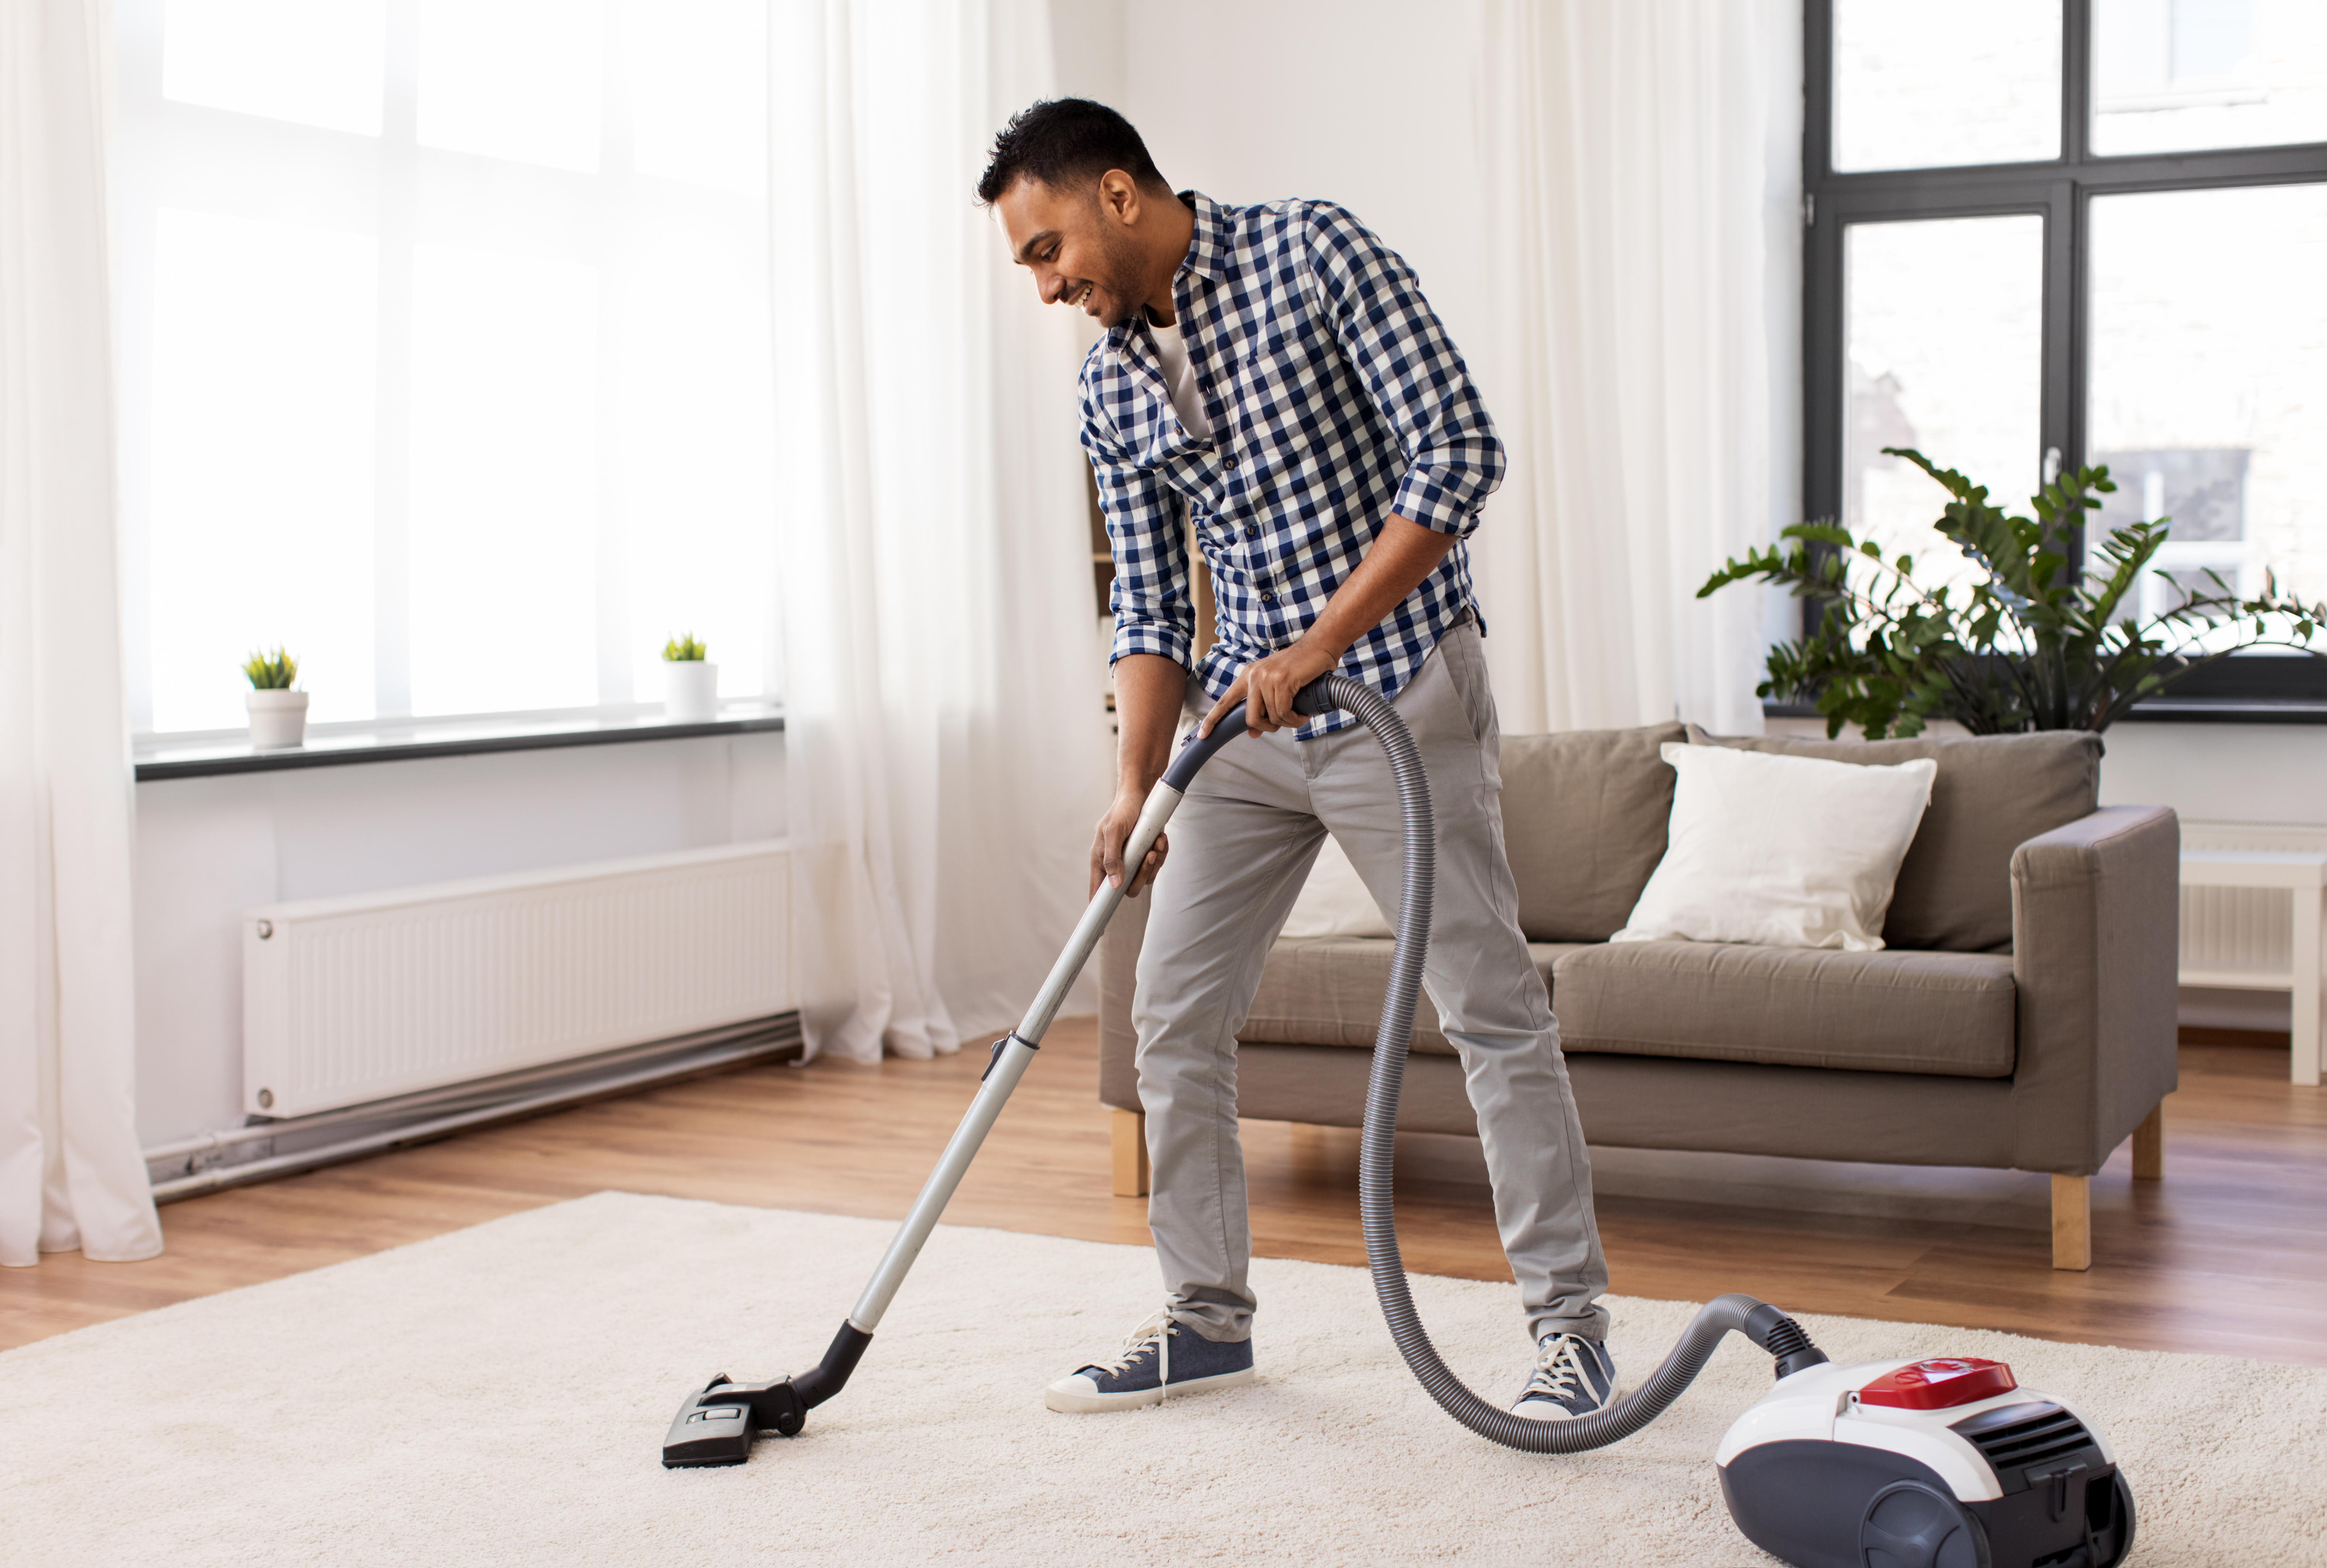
(1785,852)
(1334,901)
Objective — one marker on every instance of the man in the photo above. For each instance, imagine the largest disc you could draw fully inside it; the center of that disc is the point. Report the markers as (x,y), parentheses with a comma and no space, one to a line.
(1273,378)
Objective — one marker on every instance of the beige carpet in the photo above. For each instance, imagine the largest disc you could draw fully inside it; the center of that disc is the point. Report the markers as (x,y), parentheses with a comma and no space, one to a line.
(498,1395)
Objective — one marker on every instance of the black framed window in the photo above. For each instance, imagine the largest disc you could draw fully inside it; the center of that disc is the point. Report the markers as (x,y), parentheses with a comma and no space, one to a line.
(2044,236)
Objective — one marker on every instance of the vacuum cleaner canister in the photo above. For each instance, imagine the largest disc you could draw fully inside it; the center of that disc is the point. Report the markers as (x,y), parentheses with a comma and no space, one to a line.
(1939,1463)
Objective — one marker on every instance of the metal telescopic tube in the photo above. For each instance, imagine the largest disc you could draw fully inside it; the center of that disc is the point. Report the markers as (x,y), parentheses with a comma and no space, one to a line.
(1009,1065)
(1377,1145)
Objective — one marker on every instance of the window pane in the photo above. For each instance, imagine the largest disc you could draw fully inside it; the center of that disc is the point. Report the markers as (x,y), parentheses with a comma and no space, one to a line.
(1943,334)
(512,79)
(503,529)
(697,469)
(696,74)
(2175,75)
(317,61)
(261,532)
(2209,350)
(1919,86)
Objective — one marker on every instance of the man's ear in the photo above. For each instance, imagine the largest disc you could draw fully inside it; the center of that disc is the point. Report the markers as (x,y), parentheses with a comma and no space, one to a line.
(1118,197)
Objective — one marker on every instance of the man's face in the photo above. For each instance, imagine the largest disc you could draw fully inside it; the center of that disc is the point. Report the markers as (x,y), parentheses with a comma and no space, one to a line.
(1079,244)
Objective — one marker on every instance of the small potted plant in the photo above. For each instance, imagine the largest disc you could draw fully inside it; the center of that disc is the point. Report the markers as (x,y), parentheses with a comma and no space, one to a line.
(690,683)
(278,716)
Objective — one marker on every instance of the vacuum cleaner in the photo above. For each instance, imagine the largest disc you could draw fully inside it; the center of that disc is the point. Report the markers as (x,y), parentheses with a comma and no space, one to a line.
(1936,1463)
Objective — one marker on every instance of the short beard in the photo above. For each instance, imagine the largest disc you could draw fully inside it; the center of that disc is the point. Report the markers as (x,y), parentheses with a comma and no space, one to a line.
(1124,264)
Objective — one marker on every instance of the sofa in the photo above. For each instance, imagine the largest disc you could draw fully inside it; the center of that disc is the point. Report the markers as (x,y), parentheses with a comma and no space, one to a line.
(2020,1015)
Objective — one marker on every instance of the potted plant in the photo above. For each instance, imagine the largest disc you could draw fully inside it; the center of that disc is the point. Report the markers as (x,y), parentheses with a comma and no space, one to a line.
(2035,646)
(279,714)
(690,684)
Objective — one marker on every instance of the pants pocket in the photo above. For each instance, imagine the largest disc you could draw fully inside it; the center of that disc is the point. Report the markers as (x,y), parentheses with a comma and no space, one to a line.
(1466,667)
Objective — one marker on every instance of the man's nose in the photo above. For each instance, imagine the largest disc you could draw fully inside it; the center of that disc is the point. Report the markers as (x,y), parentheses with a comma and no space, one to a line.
(1050,286)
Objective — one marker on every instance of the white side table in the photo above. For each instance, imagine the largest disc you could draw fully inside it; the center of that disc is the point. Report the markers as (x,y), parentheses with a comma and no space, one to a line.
(2303,875)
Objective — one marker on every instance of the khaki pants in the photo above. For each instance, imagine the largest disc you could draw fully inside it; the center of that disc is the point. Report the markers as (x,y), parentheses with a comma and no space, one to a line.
(1241,845)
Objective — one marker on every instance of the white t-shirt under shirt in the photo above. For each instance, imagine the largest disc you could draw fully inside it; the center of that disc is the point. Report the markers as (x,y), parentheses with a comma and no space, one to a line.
(1180,376)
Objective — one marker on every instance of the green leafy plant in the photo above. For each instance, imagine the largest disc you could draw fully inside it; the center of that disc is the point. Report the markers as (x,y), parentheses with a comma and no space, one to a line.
(271,672)
(682,649)
(2035,646)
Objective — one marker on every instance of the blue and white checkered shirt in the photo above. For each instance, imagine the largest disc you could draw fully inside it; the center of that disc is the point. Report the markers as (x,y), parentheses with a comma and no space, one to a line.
(1335,398)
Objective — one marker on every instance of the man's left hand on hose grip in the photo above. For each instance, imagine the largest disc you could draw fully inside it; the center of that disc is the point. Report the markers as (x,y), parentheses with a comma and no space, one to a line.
(1267,687)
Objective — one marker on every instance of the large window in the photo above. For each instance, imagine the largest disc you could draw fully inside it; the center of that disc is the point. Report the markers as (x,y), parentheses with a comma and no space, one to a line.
(2042,236)
(444,351)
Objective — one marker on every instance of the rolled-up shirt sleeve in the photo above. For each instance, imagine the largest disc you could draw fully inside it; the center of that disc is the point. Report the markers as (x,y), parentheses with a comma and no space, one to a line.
(1153,611)
(1417,376)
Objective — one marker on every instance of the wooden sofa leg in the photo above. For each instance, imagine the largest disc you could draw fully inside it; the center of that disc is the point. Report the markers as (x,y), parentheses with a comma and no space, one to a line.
(2149,1146)
(1130,1152)
(2073,1222)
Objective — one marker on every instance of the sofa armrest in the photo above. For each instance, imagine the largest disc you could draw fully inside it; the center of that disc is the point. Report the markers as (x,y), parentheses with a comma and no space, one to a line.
(2095,950)
(1119,973)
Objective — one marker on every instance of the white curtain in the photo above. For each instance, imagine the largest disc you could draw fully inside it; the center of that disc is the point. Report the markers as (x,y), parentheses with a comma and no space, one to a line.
(1625,150)
(71,1175)
(945,726)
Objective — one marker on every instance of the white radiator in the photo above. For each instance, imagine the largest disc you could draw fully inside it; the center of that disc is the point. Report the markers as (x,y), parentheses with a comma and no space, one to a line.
(355,999)
(2240,938)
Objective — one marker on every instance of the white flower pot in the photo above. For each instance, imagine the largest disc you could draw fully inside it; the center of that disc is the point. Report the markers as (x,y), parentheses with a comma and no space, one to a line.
(277,718)
(690,691)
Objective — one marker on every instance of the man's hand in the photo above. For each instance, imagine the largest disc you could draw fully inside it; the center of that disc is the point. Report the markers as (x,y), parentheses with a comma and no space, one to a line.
(1268,686)
(1148,688)
(1108,846)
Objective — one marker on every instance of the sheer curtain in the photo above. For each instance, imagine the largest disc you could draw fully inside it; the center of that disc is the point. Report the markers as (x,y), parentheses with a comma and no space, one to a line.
(70,1171)
(1630,235)
(945,724)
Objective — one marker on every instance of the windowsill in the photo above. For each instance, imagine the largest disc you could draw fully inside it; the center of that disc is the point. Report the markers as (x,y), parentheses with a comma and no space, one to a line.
(208,754)
(2161,710)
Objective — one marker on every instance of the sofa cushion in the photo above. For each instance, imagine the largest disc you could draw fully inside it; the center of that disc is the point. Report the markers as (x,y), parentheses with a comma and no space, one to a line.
(1583,824)
(1892,1011)
(1327,991)
(1993,794)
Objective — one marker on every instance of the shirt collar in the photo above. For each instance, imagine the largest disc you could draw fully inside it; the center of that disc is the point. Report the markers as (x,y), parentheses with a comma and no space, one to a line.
(1209,248)
(1208,258)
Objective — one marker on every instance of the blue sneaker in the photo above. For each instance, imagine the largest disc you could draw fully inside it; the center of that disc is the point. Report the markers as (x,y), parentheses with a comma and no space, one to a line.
(1162,1356)
(1572,1377)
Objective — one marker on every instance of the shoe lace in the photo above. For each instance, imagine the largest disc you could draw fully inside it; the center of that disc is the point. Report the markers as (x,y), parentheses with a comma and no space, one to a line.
(1156,1331)
(1559,1369)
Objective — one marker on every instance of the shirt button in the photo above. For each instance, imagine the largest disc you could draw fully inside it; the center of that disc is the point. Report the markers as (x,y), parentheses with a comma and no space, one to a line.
(1252,530)
(1267,596)
(1229,460)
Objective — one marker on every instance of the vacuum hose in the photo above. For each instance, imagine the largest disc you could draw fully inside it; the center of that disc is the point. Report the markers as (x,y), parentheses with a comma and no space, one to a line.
(1764,1324)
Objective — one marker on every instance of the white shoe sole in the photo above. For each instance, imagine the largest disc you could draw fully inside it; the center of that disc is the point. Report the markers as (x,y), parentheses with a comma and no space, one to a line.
(1074,1401)
(1543,1410)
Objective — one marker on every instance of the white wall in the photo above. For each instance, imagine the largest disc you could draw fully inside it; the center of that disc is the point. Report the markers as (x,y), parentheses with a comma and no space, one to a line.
(2219,772)
(209,848)
(1363,102)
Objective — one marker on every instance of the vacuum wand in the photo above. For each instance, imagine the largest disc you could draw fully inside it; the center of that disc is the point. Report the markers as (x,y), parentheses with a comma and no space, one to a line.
(719,1423)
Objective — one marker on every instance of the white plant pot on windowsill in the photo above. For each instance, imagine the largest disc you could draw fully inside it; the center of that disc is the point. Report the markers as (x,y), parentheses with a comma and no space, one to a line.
(278,719)
(690,691)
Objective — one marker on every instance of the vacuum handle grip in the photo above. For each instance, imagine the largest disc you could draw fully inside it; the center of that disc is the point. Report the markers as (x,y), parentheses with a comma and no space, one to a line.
(1196,751)
(1316,697)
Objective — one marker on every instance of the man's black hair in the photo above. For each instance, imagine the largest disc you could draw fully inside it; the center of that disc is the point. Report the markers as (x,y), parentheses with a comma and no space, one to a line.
(1058,142)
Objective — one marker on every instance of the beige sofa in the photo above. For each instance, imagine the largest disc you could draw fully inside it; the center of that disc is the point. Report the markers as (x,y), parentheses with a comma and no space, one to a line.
(2020,1015)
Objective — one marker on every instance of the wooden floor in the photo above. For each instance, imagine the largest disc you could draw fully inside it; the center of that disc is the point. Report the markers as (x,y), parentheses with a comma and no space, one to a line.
(2227,1254)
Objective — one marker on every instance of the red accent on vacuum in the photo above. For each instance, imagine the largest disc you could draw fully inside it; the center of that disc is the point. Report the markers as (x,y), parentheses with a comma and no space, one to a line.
(1938,1384)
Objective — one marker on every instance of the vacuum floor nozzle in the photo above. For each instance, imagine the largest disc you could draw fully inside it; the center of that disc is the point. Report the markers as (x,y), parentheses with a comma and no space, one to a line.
(719,1421)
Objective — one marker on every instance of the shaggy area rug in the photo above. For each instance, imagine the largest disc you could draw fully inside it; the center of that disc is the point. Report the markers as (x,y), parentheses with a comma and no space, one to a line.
(498,1395)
